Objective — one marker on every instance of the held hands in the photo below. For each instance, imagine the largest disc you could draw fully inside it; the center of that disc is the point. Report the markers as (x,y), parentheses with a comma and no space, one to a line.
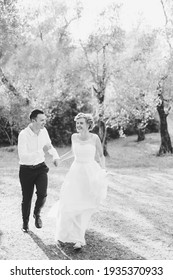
(47,147)
(57,162)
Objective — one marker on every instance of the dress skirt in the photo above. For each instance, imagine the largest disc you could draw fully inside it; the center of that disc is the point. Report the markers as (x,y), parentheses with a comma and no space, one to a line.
(84,188)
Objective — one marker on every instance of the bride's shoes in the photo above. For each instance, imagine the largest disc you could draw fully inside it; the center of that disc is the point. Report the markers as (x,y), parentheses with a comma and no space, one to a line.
(77,246)
(59,244)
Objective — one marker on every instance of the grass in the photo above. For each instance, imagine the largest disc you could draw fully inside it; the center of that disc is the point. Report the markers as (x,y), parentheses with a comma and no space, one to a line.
(123,153)
(128,153)
(134,223)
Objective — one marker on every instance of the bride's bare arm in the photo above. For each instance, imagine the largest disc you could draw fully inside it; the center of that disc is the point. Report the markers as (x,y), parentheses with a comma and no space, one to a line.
(99,151)
(67,155)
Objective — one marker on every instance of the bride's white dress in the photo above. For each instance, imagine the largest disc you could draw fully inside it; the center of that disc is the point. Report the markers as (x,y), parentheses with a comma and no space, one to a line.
(84,188)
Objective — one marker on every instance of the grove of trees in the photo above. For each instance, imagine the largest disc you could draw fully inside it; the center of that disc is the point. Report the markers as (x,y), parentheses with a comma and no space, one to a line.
(124,78)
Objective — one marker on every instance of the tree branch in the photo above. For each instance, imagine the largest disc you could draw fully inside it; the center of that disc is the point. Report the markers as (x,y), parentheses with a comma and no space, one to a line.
(166,23)
(164,11)
(90,67)
(7,83)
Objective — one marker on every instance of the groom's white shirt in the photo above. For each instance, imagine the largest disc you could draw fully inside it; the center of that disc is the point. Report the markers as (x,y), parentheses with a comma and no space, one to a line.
(30,146)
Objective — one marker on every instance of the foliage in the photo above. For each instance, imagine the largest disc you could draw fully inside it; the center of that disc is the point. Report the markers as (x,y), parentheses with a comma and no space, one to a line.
(113,74)
(61,123)
(13,118)
(131,97)
(9,29)
(37,66)
(104,43)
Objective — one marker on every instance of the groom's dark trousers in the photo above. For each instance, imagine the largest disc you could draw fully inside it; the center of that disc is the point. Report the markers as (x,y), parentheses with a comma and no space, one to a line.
(31,176)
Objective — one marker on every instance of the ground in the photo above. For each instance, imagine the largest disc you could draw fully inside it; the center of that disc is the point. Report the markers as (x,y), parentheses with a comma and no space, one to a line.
(135,222)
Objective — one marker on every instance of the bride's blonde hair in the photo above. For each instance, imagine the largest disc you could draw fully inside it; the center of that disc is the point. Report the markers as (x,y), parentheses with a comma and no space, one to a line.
(87,117)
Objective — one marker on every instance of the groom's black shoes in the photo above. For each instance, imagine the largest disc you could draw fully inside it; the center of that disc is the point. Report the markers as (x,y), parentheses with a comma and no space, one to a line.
(38,221)
(25,227)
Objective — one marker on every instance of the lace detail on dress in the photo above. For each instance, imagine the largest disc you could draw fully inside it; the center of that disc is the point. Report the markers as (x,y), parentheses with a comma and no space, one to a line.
(91,140)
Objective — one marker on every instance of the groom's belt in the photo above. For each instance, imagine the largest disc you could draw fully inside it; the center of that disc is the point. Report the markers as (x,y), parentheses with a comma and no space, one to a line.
(32,166)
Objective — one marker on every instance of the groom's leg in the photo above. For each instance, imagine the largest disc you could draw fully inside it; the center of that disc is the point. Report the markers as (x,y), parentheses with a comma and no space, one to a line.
(41,190)
(26,177)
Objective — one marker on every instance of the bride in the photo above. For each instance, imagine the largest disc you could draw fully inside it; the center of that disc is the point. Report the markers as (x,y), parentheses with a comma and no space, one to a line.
(85,184)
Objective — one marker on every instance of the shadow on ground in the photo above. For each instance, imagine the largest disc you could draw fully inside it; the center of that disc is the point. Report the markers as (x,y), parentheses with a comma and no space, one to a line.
(51,251)
(98,247)
(1,233)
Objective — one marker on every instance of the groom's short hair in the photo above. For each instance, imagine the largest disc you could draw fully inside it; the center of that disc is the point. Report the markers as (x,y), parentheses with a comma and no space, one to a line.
(35,113)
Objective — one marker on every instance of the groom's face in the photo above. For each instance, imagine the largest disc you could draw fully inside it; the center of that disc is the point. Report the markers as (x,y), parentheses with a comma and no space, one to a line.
(40,121)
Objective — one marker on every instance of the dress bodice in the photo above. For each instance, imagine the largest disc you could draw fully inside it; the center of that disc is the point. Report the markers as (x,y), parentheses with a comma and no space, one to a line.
(84,151)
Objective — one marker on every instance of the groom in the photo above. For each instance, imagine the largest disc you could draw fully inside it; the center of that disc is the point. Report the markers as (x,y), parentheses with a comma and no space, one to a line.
(33,143)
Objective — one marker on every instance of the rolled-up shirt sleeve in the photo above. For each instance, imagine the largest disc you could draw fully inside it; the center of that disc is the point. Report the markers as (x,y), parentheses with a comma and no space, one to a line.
(54,153)
(24,155)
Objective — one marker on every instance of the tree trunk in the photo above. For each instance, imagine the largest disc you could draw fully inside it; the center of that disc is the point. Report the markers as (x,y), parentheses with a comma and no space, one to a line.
(7,83)
(102,130)
(102,134)
(166,146)
(12,136)
(141,134)
(8,136)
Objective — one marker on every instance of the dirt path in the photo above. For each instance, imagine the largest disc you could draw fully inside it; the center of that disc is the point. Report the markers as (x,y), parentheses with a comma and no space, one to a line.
(134,223)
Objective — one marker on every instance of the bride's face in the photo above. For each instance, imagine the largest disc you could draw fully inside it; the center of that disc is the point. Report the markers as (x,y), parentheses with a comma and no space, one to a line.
(81,125)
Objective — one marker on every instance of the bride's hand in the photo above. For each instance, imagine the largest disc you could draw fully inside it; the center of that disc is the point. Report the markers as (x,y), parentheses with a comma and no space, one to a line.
(57,162)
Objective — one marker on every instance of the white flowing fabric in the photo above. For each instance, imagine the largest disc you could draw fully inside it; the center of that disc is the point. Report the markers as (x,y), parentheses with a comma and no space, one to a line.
(84,188)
